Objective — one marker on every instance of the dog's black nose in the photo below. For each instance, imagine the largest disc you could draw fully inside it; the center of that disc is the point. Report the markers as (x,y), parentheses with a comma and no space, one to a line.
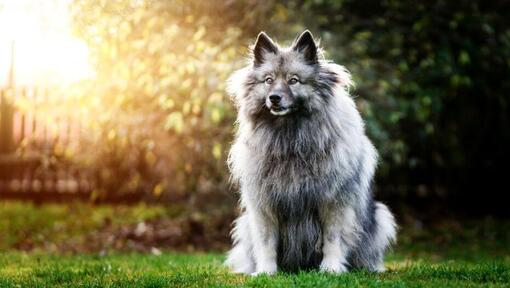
(275,98)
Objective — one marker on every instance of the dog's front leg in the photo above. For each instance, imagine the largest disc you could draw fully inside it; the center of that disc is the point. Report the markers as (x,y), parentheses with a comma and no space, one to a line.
(264,235)
(339,235)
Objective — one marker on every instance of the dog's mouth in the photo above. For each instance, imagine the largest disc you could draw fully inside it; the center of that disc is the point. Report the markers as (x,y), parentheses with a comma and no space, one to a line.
(279,111)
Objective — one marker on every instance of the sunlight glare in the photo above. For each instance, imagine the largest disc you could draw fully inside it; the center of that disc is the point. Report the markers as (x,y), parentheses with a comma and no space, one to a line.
(46,52)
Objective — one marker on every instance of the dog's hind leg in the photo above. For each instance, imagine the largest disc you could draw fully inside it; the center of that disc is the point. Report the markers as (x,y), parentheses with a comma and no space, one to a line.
(240,257)
(379,234)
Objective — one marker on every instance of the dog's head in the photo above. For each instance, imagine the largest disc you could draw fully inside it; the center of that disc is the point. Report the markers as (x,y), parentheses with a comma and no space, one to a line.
(280,82)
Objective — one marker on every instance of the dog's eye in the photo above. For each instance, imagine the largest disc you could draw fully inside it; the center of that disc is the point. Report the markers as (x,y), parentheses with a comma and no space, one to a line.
(293,81)
(269,80)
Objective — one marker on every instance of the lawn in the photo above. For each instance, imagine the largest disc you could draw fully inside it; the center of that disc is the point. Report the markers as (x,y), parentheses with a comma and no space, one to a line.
(205,270)
(449,254)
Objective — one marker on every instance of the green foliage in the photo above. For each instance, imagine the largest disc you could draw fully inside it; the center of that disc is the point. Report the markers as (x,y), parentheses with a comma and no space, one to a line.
(430,84)
(157,109)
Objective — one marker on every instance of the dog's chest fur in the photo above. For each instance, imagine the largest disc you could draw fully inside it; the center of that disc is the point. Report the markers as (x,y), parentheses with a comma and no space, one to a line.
(296,169)
(293,187)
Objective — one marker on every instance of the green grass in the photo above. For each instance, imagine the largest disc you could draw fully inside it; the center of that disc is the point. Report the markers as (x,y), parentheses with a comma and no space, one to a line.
(50,225)
(448,254)
(181,270)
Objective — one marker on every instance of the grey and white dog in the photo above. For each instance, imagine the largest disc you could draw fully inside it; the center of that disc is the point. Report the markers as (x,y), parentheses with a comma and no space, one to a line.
(304,165)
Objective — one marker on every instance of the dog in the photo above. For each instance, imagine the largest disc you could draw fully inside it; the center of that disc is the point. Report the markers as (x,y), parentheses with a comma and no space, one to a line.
(304,166)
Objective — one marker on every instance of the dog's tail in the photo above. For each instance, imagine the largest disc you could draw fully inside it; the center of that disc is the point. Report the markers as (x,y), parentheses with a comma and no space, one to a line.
(386,231)
(380,233)
(384,236)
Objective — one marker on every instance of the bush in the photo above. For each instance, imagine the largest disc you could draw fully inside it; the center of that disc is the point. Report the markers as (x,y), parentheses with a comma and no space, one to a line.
(430,85)
(157,109)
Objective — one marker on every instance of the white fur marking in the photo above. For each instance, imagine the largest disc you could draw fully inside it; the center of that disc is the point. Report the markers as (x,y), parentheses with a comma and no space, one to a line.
(280,113)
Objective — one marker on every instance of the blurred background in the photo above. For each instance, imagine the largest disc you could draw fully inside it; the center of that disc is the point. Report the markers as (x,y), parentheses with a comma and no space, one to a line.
(115,124)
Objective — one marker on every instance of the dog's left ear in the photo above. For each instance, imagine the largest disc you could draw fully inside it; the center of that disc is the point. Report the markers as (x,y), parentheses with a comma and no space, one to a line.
(306,45)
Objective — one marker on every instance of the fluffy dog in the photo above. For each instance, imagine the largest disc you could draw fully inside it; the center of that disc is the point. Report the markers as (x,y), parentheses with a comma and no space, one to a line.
(304,166)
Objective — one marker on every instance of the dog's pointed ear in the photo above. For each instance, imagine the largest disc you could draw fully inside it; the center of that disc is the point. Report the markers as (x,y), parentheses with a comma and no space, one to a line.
(307,46)
(263,45)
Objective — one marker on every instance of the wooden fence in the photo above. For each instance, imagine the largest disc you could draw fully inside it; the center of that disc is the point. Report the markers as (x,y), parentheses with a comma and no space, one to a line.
(34,164)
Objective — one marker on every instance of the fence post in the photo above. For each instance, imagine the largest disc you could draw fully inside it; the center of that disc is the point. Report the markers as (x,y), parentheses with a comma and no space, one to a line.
(6,123)
(7,111)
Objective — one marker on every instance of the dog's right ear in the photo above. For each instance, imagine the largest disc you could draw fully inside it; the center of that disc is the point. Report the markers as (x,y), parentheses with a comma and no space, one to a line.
(262,46)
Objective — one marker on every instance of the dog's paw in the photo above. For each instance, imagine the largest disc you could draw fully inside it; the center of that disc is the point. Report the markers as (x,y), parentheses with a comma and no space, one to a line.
(332,266)
(267,269)
(258,273)
(264,272)
(380,269)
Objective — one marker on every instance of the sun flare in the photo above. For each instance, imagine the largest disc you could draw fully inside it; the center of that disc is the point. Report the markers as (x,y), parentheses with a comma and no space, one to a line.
(45,51)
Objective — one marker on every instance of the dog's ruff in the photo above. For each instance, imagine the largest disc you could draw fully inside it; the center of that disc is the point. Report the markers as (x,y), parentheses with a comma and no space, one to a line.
(305,176)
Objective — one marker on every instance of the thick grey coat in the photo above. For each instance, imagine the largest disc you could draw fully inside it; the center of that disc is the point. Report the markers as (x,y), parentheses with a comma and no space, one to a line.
(304,166)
